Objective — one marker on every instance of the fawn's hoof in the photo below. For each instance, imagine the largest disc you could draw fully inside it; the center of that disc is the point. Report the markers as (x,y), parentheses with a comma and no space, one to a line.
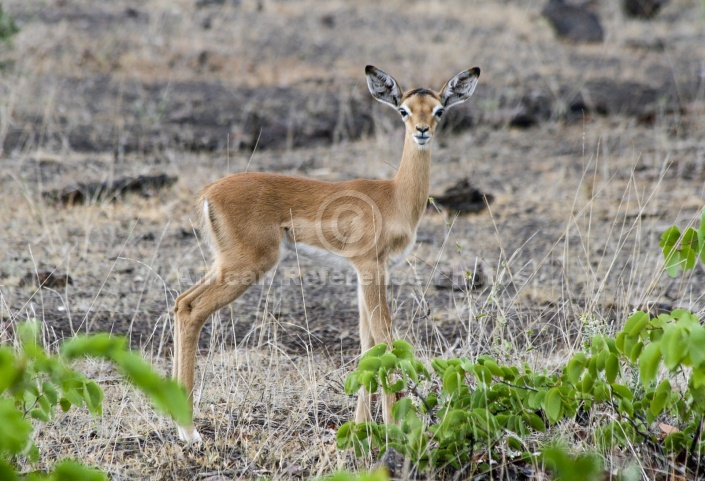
(189,435)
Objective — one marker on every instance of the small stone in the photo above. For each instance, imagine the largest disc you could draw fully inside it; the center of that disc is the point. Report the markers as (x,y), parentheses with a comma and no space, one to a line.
(47,279)
(463,198)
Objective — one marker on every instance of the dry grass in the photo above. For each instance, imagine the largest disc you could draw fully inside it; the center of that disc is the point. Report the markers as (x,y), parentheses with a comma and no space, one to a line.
(568,247)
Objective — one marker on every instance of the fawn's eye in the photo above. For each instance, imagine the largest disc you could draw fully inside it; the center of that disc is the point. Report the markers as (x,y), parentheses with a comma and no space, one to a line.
(404,113)
(439,113)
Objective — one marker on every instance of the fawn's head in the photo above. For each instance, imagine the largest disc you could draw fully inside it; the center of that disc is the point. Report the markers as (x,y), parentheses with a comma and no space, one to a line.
(421,109)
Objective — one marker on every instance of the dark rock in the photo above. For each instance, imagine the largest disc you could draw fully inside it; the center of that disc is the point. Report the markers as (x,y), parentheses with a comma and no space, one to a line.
(573,22)
(463,198)
(393,462)
(328,21)
(144,185)
(642,8)
(47,279)
(523,119)
(610,97)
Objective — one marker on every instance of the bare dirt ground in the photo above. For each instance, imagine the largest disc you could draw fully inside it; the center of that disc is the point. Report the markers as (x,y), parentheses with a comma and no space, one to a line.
(590,152)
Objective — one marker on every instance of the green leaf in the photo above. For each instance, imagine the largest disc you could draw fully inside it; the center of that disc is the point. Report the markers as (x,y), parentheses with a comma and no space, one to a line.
(451,380)
(71,471)
(376,351)
(588,383)
(534,421)
(636,351)
(535,399)
(493,368)
(648,362)
(50,392)
(552,404)
(401,408)
(620,342)
(569,468)
(29,332)
(669,242)
(439,365)
(697,378)
(398,386)
(636,323)
(15,431)
(696,341)
(407,368)
(484,375)
(65,404)
(660,397)
(95,345)
(575,368)
(514,443)
(9,370)
(94,398)
(44,404)
(622,391)
(600,392)
(388,360)
(676,442)
(674,346)
(368,380)
(170,398)
(7,472)
(432,400)
(402,349)
(508,374)
(627,407)
(689,249)
(370,364)
(592,367)
(344,435)
(39,414)
(612,368)
(484,420)
(352,384)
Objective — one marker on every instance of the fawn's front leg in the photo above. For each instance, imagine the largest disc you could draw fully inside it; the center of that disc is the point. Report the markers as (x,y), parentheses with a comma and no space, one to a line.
(372,295)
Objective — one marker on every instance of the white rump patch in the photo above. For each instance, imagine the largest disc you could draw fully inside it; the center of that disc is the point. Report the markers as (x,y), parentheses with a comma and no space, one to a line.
(205,211)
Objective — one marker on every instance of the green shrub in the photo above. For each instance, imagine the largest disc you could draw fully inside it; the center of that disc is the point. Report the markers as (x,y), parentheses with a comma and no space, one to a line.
(462,407)
(36,386)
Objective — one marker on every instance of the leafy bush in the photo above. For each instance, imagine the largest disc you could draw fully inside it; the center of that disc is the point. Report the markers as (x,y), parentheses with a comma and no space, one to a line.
(461,407)
(35,386)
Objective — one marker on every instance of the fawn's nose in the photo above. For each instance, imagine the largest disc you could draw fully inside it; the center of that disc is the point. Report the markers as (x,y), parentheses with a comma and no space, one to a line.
(422,129)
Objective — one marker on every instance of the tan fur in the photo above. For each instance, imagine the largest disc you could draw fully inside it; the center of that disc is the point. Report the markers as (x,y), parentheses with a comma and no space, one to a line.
(366,222)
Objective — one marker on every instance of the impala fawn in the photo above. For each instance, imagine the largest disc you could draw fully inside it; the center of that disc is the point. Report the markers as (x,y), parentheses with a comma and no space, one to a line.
(251,218)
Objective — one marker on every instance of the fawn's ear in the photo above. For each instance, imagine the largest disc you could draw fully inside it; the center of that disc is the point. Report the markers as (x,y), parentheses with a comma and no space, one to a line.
(459,88)
(383,87)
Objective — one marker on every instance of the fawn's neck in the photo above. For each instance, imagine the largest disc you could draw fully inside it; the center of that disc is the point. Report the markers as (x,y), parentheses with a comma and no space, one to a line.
(412,180)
